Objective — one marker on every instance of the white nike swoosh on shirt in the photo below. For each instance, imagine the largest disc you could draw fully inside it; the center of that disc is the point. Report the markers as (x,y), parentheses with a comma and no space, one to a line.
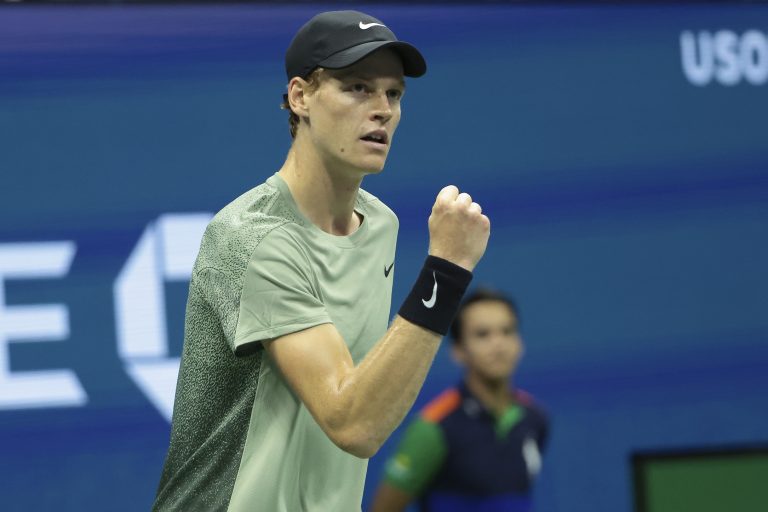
(366,26)
(431,302)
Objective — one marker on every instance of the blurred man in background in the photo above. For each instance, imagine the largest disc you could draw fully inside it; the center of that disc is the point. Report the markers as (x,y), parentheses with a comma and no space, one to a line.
(476,447)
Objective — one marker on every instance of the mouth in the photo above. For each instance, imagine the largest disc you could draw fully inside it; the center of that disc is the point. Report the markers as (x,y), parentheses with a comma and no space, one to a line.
(377,138)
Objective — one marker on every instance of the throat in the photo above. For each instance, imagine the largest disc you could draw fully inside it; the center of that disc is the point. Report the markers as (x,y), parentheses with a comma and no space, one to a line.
(347,228)
(325,195)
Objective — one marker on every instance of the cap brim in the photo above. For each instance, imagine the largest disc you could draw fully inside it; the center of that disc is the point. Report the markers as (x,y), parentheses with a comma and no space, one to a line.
(413,62)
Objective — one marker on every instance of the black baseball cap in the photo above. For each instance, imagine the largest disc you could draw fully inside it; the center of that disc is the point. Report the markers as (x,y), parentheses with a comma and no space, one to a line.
(337,39)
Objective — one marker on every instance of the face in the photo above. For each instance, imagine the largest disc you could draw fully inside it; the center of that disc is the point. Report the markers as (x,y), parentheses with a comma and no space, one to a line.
(490,344)
(354,112)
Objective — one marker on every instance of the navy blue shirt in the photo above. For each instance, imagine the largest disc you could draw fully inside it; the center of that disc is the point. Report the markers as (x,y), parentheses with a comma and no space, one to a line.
(459,456)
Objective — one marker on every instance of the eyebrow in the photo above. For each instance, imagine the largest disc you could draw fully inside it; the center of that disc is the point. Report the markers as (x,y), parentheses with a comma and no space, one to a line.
(346,74)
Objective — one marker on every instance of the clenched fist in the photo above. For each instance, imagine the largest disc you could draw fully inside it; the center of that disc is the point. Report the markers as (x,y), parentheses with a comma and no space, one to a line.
(458,230)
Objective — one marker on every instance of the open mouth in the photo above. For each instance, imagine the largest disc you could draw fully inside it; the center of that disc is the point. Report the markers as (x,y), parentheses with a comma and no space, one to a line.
(376,137)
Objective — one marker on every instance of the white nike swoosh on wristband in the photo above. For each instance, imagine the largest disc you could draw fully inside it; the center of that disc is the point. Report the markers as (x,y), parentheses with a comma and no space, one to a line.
(366,26)
(431,302)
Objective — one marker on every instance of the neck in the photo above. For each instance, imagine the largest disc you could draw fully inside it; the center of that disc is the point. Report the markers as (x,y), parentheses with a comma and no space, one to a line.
(323,194)
(494,394)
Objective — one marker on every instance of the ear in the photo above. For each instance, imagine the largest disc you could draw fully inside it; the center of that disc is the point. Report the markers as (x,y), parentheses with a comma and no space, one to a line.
(297,96)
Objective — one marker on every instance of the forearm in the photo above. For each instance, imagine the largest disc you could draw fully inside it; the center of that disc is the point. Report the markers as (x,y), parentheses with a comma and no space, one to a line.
(377,394)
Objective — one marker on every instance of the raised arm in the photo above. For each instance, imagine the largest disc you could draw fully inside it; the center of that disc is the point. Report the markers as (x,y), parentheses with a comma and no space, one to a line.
(358,407)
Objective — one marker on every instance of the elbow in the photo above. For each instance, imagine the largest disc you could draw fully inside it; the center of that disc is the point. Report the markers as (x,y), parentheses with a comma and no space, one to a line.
(359,445)
(357,441)
(350,430)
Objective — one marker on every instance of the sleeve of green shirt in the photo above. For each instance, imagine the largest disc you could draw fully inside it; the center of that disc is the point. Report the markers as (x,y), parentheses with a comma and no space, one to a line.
(280,293)
(418,457)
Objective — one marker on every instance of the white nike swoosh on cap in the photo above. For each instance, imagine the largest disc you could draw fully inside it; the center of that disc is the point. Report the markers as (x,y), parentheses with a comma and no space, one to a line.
(431,302)
(366,26)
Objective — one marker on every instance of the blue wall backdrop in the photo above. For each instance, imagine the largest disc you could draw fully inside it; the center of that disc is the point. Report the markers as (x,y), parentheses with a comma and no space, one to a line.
(621,153)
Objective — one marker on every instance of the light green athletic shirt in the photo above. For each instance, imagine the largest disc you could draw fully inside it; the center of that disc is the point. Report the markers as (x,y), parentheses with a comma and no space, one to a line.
(240,439)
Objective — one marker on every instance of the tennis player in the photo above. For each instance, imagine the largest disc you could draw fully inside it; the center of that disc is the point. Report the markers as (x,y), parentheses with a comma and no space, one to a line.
(290,376)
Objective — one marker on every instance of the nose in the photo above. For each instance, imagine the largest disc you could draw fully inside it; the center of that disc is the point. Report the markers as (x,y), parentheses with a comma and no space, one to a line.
(381,109)
(497,341)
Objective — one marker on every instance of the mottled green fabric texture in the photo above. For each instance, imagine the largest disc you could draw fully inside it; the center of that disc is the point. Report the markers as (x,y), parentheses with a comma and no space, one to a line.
(240,439)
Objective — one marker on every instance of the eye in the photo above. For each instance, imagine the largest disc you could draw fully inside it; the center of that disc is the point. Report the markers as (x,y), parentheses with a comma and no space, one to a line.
(359,88)
(395,94)
(482,333)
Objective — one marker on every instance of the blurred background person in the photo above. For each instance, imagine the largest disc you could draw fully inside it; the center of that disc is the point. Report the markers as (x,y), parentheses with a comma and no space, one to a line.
(477,446)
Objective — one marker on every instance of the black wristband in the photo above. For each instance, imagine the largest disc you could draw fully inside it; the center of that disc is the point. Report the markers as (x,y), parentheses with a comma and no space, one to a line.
(435,297)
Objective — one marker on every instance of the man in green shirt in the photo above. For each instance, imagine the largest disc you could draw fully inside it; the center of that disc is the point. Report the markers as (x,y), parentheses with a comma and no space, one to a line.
(290,377)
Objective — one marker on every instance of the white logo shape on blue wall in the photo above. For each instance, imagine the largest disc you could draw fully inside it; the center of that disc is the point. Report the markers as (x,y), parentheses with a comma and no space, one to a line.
(35,322)
(166,252)
(725,57)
